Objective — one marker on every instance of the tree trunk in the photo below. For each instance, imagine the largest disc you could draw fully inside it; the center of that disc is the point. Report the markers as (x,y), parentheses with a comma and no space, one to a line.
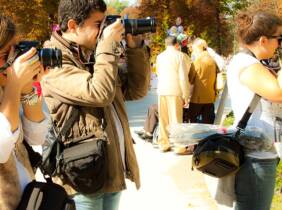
(218,27)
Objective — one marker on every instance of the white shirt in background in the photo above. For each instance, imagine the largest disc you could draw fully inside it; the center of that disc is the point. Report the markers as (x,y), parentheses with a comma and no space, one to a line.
(173,68)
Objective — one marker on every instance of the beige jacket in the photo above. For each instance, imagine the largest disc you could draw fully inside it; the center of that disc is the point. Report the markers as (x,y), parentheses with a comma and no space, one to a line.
(75,84)
(173,68)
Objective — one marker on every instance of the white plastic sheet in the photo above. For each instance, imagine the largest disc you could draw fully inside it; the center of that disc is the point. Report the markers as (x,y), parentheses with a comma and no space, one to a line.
(191,133)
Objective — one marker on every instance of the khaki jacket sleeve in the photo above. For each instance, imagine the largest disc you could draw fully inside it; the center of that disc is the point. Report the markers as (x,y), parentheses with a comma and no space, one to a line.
(138,74)
(73,85)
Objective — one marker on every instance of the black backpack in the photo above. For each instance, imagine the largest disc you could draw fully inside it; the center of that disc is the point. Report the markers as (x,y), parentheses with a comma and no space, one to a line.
(45,196)
(81,163)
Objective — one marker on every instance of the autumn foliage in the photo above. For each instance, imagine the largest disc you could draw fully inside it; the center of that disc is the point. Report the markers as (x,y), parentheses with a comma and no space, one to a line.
(32,17)
(211,20)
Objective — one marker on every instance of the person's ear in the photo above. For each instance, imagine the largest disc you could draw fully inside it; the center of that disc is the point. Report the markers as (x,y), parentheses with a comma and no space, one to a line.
(72,25)
(263,40)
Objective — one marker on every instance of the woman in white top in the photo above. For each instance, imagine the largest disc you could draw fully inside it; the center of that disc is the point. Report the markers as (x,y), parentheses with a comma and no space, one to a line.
(16,90)
(260,35)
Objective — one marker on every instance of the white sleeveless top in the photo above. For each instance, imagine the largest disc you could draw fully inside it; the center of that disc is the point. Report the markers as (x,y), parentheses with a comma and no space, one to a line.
(241,97)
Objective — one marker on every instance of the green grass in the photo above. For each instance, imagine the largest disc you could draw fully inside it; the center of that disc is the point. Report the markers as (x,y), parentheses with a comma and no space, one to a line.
(229,119)
(277,198)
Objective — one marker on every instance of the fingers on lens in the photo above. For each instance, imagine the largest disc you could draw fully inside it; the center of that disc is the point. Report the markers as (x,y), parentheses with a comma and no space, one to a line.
(28,55)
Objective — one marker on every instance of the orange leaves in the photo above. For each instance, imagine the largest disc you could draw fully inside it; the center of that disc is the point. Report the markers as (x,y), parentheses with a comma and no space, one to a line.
(32,17)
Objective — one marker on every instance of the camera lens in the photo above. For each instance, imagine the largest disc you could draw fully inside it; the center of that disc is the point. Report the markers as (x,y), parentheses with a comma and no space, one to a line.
(50,57)
(140,26)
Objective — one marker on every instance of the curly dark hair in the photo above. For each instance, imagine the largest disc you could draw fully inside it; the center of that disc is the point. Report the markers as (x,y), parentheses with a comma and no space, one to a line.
(252,26)
(7,30)
(78,10)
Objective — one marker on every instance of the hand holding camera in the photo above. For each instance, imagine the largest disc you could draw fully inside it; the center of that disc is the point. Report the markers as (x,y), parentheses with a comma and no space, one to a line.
(133,41)
(114,27)
(28,62)
(24,69)
(114,31)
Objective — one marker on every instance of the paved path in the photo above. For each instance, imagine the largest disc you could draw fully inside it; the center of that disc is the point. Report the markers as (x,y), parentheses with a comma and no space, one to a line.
(167,182)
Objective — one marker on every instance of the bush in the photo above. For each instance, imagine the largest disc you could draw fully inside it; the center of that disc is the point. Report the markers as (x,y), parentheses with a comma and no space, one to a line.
(277,199)
(229,119)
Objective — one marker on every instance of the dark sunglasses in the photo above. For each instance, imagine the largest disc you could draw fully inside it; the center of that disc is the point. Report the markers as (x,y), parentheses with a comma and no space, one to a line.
(5,56)
(279,39)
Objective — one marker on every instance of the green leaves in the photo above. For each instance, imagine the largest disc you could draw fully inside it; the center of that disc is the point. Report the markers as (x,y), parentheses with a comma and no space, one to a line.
(118,5)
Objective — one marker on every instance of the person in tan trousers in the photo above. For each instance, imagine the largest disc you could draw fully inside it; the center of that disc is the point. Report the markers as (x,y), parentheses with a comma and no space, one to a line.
(173,88)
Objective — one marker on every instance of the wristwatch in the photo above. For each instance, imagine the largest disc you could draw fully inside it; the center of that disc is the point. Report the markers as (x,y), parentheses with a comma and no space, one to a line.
(31,98)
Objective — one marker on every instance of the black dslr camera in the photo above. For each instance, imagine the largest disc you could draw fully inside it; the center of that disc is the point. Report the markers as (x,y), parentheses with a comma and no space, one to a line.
(48,57)
(133,26)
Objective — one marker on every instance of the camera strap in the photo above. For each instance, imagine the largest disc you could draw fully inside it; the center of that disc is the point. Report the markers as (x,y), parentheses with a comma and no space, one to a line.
(9,62)
(265,63)
(71,46)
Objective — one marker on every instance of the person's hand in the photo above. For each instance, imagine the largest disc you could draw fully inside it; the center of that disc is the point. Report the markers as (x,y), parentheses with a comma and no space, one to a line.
(29,86)
(24,69)
(114,31)
(186,103)
(133,41)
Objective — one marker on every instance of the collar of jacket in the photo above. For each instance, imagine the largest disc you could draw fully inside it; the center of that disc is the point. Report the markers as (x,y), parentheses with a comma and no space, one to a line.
(171,48)
(72,46)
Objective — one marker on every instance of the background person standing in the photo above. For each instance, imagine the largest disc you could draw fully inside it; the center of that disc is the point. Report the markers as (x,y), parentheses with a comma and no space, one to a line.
(173,88)
(202,77)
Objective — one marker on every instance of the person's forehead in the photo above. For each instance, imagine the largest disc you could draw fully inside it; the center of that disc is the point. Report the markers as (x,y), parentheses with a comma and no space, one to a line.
(96,16)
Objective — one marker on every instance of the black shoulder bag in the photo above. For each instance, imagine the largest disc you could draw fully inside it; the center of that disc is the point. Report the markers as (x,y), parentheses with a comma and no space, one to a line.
(80,163)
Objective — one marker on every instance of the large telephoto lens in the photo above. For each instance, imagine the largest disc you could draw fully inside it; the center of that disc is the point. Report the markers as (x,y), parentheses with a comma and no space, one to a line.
(50,57)
(140,26)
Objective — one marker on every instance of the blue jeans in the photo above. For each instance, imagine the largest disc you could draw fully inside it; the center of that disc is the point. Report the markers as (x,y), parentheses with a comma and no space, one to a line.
(99,201)
(254,184)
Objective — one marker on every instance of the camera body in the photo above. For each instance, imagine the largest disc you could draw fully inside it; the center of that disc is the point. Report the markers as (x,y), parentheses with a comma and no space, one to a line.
(133,26)
(48,57)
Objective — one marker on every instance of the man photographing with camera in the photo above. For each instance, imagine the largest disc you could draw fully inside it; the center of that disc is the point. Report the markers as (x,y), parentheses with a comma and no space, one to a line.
(87,96)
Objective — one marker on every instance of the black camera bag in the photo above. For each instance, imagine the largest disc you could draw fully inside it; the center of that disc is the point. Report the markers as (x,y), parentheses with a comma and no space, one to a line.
(220,155)
(83,166)
(45,196)
(80,163)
